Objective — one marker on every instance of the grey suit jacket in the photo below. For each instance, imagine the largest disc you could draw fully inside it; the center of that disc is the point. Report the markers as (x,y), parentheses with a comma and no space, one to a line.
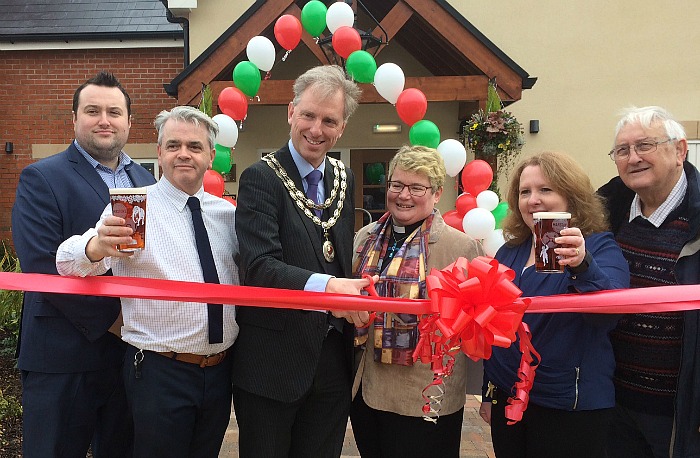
(277,351)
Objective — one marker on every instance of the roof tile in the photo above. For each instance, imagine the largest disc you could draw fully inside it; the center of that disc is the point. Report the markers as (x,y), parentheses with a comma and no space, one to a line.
(39,18)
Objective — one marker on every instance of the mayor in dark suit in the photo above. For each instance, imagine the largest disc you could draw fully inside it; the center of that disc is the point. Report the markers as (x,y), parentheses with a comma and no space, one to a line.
(292,368)
(70,362)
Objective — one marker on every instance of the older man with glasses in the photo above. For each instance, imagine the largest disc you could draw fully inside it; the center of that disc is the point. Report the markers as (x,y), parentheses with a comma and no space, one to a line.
(654,207)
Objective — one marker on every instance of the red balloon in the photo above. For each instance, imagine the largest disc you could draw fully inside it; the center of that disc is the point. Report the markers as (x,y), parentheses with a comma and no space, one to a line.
(476,177)
(233,103)
(346,40)
(453,219)
(464,203)
(230,199)
(411,105)
(214,183)
(288,31)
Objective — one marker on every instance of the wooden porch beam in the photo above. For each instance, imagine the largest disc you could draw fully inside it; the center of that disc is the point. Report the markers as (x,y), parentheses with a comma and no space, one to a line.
(236,43)
(393,21)
(470,47)
(435,88)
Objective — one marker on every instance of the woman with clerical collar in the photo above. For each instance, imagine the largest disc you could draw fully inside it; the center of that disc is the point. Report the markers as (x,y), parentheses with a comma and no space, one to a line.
(402,247)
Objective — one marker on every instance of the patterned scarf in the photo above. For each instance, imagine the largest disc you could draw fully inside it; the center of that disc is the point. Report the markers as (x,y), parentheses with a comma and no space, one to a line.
(395,335)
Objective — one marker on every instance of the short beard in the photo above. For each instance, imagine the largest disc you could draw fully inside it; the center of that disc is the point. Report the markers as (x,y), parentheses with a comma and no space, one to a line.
(103,154)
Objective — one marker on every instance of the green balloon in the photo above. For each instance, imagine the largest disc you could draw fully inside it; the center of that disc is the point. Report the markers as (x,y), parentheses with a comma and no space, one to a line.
(361,66)
(313,17)
(374,172)
(246,77)
(499,213)
(424,133)
(222,160)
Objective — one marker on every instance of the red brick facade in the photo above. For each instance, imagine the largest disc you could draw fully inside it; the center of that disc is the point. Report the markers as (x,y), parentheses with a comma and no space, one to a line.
(36,93)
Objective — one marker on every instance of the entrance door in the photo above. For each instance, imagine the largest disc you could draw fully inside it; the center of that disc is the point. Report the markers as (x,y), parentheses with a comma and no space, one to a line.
(370,167)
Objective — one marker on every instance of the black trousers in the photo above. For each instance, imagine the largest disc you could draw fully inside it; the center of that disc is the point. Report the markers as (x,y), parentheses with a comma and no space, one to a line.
(313,426)
(549,433)
(179,409)
(388,435)
(65,414)
(636,434)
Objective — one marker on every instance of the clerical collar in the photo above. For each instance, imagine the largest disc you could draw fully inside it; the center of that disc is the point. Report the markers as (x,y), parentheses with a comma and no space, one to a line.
(405,230)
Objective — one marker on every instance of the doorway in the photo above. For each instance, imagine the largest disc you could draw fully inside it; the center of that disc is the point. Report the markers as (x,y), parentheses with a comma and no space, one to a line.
(370,167)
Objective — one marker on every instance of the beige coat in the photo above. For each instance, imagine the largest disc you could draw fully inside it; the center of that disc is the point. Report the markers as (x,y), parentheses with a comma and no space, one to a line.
(395,388)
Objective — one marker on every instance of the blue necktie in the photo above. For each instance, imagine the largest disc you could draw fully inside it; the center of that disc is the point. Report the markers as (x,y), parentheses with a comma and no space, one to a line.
(312,179)
(206,260)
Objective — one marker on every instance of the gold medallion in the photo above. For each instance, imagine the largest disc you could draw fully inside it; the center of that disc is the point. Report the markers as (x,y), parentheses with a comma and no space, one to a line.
(328,251)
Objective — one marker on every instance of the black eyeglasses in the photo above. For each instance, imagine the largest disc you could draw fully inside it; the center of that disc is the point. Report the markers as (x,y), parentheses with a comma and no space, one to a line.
(622,152)
(416,190)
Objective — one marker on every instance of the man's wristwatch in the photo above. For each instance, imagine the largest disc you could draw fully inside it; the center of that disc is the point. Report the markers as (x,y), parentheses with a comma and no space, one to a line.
(581,268)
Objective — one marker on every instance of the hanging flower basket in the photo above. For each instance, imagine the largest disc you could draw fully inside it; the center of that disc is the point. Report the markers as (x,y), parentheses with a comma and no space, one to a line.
(497,138)
(497,133)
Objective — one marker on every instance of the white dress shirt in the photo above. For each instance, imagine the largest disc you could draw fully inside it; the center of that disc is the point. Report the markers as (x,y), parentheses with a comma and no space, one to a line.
(170,253)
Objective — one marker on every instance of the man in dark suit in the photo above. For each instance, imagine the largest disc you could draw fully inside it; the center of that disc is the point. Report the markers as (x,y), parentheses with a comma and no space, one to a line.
(292,368)
(70,353)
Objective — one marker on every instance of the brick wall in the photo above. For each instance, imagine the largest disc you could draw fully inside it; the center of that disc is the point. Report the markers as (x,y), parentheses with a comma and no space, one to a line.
(36,93)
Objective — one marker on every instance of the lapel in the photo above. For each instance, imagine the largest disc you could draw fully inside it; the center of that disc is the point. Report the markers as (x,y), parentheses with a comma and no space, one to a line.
(88,173)
(284,156)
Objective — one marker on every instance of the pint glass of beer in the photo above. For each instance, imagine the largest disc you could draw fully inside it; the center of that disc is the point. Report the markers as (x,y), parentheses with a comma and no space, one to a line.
(547,228)
(130,204)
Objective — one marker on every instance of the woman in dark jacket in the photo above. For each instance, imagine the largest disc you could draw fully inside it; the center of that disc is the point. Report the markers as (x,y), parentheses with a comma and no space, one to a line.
(573,394)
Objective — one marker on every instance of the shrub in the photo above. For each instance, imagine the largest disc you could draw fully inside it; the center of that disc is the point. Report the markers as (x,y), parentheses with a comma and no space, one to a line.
(10,310)
(9,406)
(10,302)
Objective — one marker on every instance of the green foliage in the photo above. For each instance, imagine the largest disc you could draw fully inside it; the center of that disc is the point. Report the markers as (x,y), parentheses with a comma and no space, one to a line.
(206,104)
(9,406)
(10,302)
(493,101)
(10,310)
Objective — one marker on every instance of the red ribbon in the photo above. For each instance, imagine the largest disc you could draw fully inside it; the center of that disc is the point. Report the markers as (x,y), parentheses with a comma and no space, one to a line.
(639,300)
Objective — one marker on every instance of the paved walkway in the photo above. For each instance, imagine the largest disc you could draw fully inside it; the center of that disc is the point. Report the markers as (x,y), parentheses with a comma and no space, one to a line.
(476,436)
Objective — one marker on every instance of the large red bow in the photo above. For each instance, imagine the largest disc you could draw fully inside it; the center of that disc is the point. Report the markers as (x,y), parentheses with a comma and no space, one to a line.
(473,305)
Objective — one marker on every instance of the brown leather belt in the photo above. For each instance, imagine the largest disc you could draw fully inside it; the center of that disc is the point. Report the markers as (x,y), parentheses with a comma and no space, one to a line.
(200,360)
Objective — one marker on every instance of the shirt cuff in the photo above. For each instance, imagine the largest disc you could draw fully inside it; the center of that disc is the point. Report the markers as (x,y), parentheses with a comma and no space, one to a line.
(317,283)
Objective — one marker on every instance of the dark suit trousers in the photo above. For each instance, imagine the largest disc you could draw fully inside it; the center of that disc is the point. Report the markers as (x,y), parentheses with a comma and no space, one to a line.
(180,409)
(65,413)
(313,426)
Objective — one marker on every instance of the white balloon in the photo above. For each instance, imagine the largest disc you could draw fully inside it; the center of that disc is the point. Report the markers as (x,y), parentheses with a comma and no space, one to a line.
(261,52)
(453,153)
(478,223)
(487,199)
(228,131)
(389,80)
(338,15)
(493,242)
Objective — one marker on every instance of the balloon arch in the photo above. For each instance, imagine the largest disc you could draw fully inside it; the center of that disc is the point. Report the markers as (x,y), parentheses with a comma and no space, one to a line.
(478,210)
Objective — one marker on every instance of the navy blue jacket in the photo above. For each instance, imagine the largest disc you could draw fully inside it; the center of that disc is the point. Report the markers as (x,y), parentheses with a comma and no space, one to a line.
(577,365)
(58,197)
(686,438)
